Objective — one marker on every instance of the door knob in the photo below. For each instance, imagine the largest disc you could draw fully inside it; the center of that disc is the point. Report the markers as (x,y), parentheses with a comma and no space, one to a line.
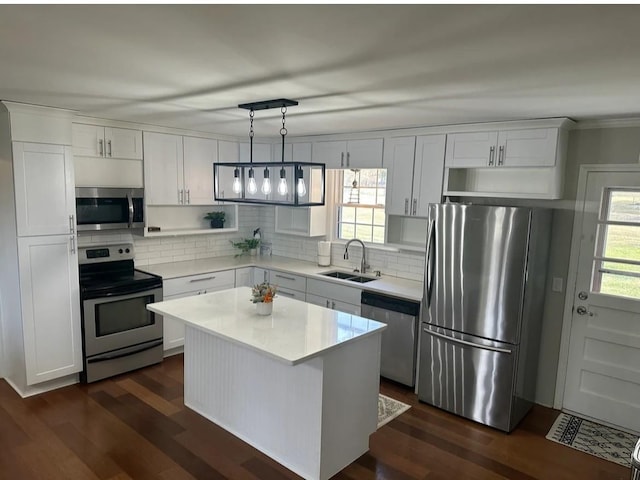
(583,311)
(583,295)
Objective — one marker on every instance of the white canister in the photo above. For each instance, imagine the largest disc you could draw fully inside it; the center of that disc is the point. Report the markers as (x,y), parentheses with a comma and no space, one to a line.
(324,254)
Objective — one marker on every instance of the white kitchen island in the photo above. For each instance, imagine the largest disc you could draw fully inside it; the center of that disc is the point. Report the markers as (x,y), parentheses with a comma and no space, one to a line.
(300,385)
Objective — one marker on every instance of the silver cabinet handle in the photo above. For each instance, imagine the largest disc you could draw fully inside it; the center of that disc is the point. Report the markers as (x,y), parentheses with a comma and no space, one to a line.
(328,304)
(181,196)
(415,206)
(109,147)
(188,197)
(406,206)
(342,159)
(492,153)
(501,155)
(72,225)
(73,243)
(464,342)
(265,275)
(285,277)
(201,279)
(101,147)
(348,158)
(333,305)
(287,294)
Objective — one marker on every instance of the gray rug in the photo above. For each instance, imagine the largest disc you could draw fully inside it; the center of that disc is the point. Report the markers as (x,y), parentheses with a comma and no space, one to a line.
(593,438)
(388,409)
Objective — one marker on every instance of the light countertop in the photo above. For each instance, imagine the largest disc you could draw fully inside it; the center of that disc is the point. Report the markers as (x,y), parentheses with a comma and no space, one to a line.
(394,286)
(295,332)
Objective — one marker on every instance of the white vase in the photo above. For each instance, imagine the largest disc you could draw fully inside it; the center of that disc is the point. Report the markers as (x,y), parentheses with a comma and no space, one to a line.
(263,308)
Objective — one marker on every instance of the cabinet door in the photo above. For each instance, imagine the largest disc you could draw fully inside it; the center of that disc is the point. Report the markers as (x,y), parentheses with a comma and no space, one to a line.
(318,300)
(244,277)
(428,173)
(199,156)
(527,148)
(227,152)
(293,152)
(123,143)
(469,150)
(332,304)
(172,330)
(364,153)
(260,275)
(44,189)
(50,306)
(87,140)
(163,173)
(399,154)
(333,154)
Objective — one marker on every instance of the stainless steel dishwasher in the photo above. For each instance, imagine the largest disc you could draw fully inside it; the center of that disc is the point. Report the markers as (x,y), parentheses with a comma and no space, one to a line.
(400,339)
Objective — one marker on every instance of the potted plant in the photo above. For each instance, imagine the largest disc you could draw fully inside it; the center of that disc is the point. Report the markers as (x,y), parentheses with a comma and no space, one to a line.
(247,245)
(262,295)
(216,219)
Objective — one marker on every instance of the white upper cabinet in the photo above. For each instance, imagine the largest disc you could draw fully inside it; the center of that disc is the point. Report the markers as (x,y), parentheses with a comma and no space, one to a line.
(293,152)
(507,148)
(178,170)
(228,152)
(414,173)
(107,142)
(44,189)
(50,301)
(199,156)
(163,169)
(349,154)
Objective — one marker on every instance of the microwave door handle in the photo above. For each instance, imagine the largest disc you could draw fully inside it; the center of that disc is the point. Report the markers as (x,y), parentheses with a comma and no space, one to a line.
(130,200)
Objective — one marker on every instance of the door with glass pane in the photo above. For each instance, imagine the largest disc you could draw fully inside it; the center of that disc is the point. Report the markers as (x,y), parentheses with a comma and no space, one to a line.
(603,370)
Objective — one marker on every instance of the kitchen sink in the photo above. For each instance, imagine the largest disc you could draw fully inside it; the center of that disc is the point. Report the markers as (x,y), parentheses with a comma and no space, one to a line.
(352,277)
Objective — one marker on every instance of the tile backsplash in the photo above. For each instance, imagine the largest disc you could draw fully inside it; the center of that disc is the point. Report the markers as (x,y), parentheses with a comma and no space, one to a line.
(404,264)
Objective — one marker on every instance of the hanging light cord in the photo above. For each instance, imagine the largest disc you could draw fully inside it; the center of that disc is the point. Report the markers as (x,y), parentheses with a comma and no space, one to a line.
(283,130)
(251,113)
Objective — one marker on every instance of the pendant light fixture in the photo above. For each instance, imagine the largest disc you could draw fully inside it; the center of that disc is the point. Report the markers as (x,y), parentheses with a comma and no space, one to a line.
(301,192)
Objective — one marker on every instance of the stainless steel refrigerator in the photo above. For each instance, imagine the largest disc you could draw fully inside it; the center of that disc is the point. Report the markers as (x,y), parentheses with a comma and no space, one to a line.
(482,310)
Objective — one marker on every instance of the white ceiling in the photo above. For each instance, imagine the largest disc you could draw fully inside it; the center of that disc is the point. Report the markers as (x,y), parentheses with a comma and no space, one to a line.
(352,68)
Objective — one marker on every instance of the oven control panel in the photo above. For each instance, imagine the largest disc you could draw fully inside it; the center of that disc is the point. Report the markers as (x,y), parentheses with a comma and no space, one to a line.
(105,253)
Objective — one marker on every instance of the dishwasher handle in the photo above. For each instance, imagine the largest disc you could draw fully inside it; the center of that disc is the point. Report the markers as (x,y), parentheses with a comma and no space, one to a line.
(393,304)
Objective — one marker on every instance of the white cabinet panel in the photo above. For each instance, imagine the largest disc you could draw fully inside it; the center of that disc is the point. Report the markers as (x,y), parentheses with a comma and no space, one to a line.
(261,152)
(44,189)
(228,152)
(527,148)
(107,142)
(333,304)
(199,156)
(244,277)
(172,330)
(50,306)
(475,149)
(288,280)
(123,143)
(293,152)
(163,172)
(399,154)
(428,173)
(349,154)
(333,291)
(260,275)
(288,293)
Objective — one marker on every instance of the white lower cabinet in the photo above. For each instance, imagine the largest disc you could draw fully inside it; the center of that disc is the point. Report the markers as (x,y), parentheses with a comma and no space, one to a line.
(50,301)
(185,287)
(333,295)
(244,277)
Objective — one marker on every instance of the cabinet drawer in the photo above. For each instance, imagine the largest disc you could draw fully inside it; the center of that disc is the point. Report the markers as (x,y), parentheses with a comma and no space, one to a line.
(288,281)
(288,293)
(334,291)
(204,281)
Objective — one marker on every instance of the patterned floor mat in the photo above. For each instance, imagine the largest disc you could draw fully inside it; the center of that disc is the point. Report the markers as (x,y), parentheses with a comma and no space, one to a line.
(594,439)
(388,409)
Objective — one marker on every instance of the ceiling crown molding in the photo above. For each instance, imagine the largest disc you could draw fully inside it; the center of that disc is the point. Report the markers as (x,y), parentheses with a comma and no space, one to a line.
(607,123)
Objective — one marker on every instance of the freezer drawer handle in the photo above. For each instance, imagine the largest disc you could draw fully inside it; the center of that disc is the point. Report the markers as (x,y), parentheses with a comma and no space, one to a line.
(464,342)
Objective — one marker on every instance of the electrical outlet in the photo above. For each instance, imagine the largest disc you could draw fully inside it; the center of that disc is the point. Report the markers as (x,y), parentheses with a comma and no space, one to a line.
(556,285)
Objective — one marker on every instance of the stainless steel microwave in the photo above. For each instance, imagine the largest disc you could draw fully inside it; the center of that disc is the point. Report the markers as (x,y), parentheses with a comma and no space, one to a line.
(100,208)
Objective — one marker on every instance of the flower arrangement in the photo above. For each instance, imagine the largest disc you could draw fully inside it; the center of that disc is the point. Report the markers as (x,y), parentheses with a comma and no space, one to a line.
(263,293)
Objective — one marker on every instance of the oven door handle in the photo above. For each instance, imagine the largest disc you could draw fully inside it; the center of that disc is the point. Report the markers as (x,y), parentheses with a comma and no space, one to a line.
(130,200)
(125,352)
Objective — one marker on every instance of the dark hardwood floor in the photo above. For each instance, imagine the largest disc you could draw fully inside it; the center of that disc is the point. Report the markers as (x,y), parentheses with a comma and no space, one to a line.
(135,426)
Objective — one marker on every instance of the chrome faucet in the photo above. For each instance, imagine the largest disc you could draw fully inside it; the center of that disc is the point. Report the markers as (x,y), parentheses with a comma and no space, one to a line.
(363,263)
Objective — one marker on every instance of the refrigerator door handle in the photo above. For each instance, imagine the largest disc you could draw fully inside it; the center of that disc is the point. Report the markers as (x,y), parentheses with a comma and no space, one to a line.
(429,263)
(464,342)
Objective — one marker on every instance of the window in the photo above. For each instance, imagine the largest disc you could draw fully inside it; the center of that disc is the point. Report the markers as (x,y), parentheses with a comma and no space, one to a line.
(360,203)
(616,265)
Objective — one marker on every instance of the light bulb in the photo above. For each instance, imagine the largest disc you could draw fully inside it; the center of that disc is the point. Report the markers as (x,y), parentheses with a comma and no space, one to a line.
(237,186)
(266,183)
(252,187)
(302,189)
(282,187)
(266,186)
